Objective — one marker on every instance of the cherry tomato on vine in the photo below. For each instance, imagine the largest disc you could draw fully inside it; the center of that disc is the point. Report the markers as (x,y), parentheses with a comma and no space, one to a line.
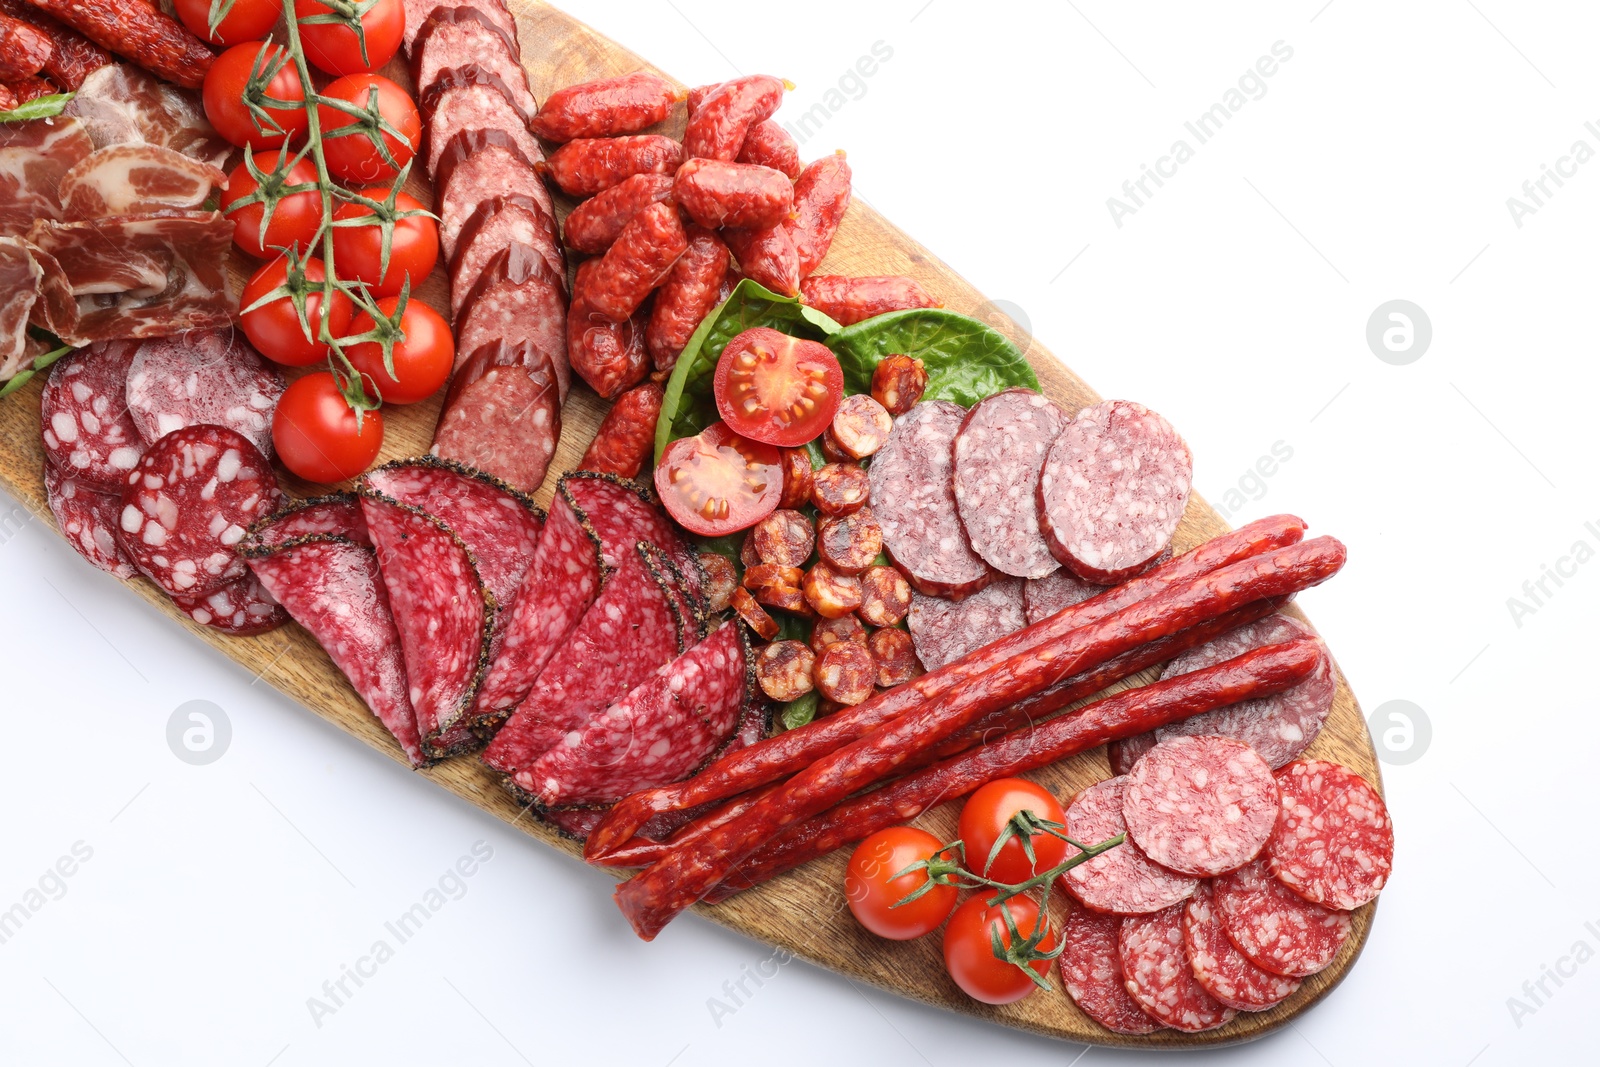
(223,94)
(413,250)
(422,361)
(353,156)
(717,482)
(335,48)
(274,328)
(315,433)
(985,815)
(872,888)
(246,20)
(969,954)
(777,389)
(295,219)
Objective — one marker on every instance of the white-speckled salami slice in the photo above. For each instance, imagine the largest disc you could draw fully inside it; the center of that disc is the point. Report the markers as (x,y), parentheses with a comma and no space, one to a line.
(945,630)
(1334,842)
(915,505)
(88,519)
(661,731)
(187,505)
(1043,597)
(443,614)
(1220,968)
(83,416)
(1275,929)
(338,514)
(1113,490)
(203,376)
(1123,881)
(1158,976)
(1201,805)
(241,608)
(1091,969)
(332,587)
(998,454)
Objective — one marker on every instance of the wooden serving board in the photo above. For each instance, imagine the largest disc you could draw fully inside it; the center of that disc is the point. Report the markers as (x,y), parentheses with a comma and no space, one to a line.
(802,912)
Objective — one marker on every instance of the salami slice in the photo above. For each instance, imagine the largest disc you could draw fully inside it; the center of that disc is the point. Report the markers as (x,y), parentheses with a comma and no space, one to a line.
(1043,597)
(88,520)
(1125,753)
(417,12)
(203,376)
(1201,805)
(1220,968)
(915,506)
(497,224)
(1157,973)
(502,414)
(188,504)
(338,514)
(1275,929)
(1112,490)
(332,587)
(1123,881)
(1278,727)
(1334,843)
(83,416)
(451,37)
(945,630)
(660,732)
(442,611)
(999,452)
(478,165)
(1091,969)
(473,97)
(517,298)
(241,608)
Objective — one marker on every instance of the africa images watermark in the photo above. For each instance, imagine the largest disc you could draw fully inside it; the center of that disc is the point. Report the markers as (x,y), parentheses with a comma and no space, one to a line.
(850,85)
(1537,592)
(1537,191)
(51,885)
(451,885)
(1252,85)
(1536,992)
(1252,484)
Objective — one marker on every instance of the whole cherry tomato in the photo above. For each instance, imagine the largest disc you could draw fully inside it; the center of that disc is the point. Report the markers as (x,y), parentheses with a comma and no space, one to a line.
(413,250)
(422,361)
(294,221)
(336,49)
(873,884)
(969,950)
(984,817)
(246,20)
(352,154)
(317,434)
(226,88)
(274,328)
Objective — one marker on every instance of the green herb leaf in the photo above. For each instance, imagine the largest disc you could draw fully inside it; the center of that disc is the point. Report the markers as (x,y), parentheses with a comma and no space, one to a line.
(42,362)
(966,360)
(800,711)
(40,107)
(689,406)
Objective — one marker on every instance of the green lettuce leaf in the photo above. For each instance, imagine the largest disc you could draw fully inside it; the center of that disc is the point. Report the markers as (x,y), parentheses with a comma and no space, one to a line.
(966,360)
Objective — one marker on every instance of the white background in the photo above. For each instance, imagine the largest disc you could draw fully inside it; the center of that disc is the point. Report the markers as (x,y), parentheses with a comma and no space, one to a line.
(1376,166)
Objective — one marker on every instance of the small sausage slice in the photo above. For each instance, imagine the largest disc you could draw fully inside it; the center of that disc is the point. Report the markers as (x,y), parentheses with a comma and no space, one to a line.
(839,488)
(849,543)
(825,632)
(830,593)
(845,672)
(784,669)
(895,655)
(861,426)
(784,538)
(885,596)
(898,383)
(752,613)
(721,579)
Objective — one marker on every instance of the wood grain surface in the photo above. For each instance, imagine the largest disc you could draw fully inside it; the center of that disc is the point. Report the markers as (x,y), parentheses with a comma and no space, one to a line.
(802,912)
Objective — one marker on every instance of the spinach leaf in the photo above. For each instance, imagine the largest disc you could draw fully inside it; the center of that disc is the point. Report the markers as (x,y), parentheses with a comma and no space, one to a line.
(966,360)
(799,711)
(689,405)
(40,107)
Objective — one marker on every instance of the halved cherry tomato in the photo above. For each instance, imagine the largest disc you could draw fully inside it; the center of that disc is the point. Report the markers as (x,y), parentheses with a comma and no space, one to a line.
(358,250)
(274,328)
(422,361)
(316,434)
(246,20)
(969,954)
(872,888)
(717,482)
(351,154)
(336,49)
(777,389)
(223,93)
(294,221)
(985,815)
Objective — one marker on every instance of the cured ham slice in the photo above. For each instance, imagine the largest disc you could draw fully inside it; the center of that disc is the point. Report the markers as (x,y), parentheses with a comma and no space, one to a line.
(34,156)
(120,104)
(133,179)
(20,280)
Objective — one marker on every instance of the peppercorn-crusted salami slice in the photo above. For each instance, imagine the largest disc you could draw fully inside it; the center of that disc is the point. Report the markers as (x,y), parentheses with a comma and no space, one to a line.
(915,506)
(337,513)
(945,630)
(1220,968)
(188,503)
(241,608)
(1043,597)
(442,611)
(1201,805)
(998,454)
(1122,881)
(1157,973)
(87,516)
(1334,843)
(332,587)
(1091,969)
(1275,929)
(661,731)
(203,376)
(83,416)
(1112,490)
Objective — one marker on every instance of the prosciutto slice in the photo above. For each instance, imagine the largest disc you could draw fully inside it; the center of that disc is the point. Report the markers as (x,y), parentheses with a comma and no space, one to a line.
(20,280)
(120,104)
(133,179)
(34,156)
